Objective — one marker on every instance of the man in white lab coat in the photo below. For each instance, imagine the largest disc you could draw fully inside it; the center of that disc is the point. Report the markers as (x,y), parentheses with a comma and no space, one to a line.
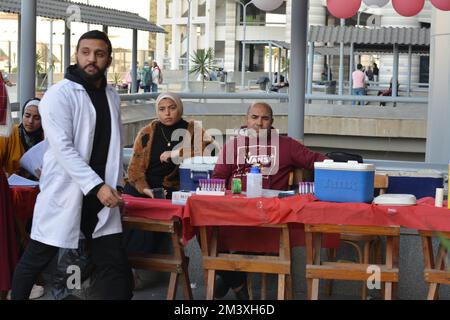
(81,177)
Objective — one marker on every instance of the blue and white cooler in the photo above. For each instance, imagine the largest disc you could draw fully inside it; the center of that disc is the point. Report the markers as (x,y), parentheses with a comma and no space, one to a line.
(194,169)
(344,181)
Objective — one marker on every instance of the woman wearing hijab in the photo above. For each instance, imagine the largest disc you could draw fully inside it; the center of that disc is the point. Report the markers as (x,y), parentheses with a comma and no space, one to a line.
(154,163)
(24,136)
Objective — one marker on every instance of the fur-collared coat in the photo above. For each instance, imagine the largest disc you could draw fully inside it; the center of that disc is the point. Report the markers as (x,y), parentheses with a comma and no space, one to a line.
(198,145)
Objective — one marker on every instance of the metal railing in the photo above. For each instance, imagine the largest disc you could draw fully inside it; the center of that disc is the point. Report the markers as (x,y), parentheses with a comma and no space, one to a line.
(265,96)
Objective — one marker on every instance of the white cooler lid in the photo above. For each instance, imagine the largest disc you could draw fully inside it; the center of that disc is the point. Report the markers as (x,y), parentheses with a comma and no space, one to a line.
(392,199)
(199,163)
(347,166)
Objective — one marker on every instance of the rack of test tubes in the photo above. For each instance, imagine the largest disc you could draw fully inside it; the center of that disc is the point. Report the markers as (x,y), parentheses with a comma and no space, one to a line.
(211,187)
(306,188)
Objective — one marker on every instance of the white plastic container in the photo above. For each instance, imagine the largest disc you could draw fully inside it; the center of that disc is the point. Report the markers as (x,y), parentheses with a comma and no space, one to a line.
(254,183)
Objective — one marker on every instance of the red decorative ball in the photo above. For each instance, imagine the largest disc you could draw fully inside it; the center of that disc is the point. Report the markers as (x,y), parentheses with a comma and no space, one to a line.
(343,8)
(408,8)
(441,4)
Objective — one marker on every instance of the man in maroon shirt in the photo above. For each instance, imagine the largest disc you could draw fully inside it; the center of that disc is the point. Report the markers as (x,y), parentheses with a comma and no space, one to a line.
(259,143)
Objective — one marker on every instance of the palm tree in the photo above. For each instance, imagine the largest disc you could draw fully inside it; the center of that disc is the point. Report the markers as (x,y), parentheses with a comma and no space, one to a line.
(203,64)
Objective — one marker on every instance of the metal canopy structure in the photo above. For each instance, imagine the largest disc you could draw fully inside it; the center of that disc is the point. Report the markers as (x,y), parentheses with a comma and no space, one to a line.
(58,9)
(372,36)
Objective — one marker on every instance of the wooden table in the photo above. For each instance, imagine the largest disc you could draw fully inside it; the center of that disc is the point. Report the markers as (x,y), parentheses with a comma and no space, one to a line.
(436,270)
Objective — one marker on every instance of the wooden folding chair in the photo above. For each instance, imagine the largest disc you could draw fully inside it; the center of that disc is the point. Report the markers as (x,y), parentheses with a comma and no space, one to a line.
(436,270)
(280,264)
(175,263)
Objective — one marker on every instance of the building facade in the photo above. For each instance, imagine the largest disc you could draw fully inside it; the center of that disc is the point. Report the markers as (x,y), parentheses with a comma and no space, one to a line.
(218,24)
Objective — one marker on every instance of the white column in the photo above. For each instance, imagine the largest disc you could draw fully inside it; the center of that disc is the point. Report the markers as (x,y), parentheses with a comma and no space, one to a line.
(230,36)
(210,26)
(317,17)
(160,52)
(438,125)
(390,18)
(176,46)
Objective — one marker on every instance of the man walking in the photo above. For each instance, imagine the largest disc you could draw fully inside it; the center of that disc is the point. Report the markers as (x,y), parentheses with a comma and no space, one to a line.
(81,177)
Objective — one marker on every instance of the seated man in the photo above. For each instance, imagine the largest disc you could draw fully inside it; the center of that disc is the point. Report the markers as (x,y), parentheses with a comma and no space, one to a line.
(259,143)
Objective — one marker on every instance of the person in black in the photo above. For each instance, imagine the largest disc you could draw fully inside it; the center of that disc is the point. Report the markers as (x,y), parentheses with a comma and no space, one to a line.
(78,112)
(376,72)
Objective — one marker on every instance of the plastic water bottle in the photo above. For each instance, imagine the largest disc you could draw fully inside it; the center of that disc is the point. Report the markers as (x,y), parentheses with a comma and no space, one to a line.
(254,183)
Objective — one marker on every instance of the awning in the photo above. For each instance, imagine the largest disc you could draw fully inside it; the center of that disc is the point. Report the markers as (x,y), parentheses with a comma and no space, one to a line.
(363,35)
(58,9)
(274,43)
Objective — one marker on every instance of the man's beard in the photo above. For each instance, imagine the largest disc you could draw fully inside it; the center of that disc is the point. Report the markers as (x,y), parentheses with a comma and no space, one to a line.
(91,77)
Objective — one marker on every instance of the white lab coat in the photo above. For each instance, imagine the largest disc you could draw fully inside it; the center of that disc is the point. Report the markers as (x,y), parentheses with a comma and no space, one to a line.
(68,119)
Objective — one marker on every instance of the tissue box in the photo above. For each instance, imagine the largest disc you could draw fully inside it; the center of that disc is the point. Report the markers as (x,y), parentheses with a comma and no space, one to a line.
(180,197)
(344,181)
(194,169)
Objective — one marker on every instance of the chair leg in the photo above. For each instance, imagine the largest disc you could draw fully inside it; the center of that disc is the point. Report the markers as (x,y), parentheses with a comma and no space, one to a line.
(187,291)
(210,283)
(250,285)
(332,254)
(289,287)
(263,286)
(281,286)
(172,291)
(367,245)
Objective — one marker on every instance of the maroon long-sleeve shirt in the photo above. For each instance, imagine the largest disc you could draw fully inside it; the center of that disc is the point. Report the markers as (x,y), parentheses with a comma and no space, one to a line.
(278,156)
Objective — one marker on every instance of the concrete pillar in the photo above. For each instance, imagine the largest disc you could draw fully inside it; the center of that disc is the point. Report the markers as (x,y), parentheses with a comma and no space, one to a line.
(134,50)
(105,29)
(310,67)
(341,64)
(351,68)
(67,47)
(28,51)
(395,72)
(438,128)
(230,38)
(296,109)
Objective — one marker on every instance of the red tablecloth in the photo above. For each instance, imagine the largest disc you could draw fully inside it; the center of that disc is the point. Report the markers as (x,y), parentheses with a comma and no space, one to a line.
(158,209)
(241,211)
(23,199)
(8,244)
(236,215)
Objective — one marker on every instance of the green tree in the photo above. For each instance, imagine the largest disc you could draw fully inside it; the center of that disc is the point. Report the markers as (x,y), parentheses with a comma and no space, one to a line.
(203,64)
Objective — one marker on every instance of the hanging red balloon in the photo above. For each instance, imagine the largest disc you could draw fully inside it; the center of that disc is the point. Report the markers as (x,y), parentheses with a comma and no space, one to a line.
(441,4)
(408,8)
(343,8)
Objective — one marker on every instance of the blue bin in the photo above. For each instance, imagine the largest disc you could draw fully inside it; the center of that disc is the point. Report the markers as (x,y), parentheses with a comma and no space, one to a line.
(421,183)
(194,169)
(344,182)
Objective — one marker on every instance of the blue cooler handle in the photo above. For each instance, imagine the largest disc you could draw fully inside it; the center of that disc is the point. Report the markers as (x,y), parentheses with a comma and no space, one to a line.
(197,175)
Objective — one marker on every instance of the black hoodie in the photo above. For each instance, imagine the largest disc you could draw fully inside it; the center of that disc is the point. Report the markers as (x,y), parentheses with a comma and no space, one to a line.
(102,134)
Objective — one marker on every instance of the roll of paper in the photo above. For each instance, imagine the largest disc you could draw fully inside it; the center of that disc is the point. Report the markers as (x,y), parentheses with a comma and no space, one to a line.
(439,198)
